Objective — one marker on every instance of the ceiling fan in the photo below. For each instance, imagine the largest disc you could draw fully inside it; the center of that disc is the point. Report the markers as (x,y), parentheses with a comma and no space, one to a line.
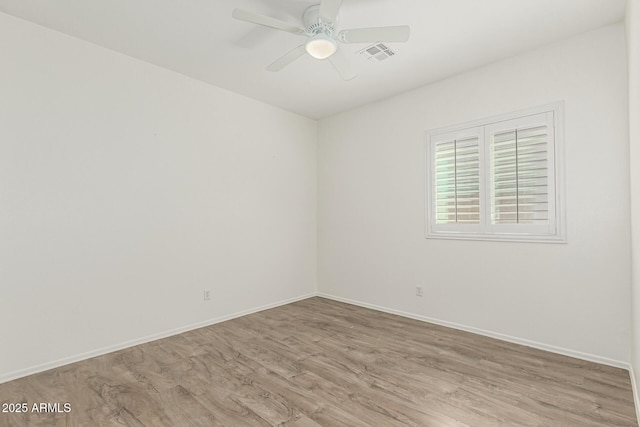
(320,23)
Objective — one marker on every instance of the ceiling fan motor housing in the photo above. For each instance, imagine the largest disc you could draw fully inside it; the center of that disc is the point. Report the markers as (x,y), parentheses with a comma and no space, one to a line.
(313,23)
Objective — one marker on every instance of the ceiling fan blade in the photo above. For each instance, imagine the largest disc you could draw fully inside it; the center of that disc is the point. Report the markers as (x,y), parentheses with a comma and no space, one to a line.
(287,59)
(266,21)
(342,66)
(376,34)
(329,10)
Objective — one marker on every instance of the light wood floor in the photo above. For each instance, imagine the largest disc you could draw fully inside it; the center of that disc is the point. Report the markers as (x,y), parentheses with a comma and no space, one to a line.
(320,362)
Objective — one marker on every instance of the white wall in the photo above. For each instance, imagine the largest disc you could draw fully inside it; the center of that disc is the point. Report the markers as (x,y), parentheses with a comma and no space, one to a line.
(633,50)
(571,297)
(126,189)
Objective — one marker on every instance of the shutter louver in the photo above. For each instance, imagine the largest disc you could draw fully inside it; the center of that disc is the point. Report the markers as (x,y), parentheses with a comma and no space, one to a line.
(457,181)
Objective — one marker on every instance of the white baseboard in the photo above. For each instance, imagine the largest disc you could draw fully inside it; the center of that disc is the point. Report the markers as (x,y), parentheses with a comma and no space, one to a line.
(634,386)
(491,334)
(109,349)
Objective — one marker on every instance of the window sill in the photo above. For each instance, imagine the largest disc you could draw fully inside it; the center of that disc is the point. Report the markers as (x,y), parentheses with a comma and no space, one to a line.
(498,237)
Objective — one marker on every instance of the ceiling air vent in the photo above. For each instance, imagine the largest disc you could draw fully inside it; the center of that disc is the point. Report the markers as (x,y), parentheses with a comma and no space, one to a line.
(378,51)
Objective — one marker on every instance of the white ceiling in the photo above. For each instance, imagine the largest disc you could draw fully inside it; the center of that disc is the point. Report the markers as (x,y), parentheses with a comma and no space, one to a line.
(199,38)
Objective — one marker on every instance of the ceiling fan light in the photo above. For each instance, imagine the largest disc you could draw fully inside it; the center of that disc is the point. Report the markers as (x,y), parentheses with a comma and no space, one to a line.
(321,46)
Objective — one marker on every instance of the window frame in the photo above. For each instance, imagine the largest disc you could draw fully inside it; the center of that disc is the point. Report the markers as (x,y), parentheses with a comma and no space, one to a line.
(555,232)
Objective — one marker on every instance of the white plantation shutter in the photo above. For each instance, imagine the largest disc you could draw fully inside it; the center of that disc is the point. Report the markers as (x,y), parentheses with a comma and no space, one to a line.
(496,180)
(457,181)
(521,175)
(518,173)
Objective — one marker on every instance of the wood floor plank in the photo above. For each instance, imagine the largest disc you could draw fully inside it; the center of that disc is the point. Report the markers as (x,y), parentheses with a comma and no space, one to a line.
(319,362)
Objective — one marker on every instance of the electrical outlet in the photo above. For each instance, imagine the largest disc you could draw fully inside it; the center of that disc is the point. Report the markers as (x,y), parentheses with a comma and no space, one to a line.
(207,294)
(419,291)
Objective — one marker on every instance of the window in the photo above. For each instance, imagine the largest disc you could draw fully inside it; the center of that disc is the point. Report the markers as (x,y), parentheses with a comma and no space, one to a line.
(497,179)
